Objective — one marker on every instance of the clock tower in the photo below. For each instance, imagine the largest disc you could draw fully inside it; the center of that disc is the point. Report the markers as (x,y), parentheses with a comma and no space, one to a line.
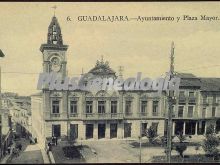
(54,51)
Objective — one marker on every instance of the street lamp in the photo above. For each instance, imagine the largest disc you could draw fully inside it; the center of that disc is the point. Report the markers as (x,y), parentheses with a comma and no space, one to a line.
(140,148)
(1,55)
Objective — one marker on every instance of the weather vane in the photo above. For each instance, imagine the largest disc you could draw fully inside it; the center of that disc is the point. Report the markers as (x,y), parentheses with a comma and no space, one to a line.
(54,7)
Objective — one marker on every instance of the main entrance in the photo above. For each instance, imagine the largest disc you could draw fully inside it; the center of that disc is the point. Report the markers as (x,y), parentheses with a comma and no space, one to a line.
(89,131)
(113,130)
(101,131)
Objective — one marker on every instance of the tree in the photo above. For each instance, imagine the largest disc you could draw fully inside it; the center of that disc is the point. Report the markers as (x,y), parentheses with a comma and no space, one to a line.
(151,134)
(211,143)
(180,148)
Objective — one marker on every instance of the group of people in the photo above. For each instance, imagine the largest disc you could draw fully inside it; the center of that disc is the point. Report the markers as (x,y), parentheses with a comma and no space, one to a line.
(16,150)
(50,144)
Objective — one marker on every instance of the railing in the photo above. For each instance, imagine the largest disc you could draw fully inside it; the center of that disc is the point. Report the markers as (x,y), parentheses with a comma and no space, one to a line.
(215,103)
(192,100)
(55,115)
(155,114)
(205,102)
(182,99)
(73,115)
(143,114)
(128,114)
(103,116)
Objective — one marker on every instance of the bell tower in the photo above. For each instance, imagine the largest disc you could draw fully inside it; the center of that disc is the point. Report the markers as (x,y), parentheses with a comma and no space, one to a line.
(54,51)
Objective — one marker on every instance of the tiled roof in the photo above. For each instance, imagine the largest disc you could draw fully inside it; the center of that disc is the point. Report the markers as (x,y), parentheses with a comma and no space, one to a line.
(210,84)
(204,84)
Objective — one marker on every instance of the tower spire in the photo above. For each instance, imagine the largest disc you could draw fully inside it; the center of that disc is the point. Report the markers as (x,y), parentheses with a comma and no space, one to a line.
(54,11)
(172,58)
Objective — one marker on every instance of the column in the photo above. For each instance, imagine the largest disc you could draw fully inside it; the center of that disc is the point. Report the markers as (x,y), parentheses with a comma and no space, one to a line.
(95,131)
(173,129)
(107,130)
(196,128)
(184,128)
(82,131)
(120,132)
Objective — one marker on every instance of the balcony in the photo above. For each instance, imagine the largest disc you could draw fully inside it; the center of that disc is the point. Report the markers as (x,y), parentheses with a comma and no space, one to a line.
(55,115)
(74,115)
(192,100)
(128,114)
(101,116)
(205,102)
(182,100)
(143,114)
(215,103)
(155,114)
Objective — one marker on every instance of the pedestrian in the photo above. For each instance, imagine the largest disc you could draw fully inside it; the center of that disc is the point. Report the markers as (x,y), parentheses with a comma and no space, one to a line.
(56,141)
(53,140)
(9,149)
(20,147)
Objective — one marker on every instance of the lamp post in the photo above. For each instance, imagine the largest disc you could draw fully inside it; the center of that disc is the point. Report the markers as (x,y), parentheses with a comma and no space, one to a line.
(1,55)
(140,148)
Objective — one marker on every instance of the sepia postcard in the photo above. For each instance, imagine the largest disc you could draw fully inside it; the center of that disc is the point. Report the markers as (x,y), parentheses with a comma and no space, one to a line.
(109,82)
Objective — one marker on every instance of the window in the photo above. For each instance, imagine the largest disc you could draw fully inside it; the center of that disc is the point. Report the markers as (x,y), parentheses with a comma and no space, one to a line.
(73,106)
(55,106)
(181,94)
(190,111)
(113,106)
(128,107)
(214,99)
(155,108)
(203,112)
(205,99)
(191,94)
(155,126)
(89,106)
(143,106)
(180,111)
(213,111)
(101,106)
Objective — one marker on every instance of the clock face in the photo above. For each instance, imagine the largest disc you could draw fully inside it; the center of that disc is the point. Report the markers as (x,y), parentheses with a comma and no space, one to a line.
(55,64)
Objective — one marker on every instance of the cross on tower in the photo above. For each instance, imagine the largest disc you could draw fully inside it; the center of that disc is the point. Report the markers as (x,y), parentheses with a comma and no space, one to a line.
(54,8)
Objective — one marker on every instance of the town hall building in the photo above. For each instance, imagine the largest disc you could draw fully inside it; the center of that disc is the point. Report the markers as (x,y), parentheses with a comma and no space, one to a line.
(81,114)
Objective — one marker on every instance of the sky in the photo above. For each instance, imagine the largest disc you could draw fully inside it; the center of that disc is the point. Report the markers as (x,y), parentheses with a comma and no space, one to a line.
(137,46)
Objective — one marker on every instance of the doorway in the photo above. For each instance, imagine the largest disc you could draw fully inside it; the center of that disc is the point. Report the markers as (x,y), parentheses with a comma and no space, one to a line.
(101,131)
(89,131)
(113,130)
(56,130)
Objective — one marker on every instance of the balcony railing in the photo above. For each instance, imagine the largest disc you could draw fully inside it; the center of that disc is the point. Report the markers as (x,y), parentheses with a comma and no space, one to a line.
(128,114)
(96,116)
(143,114)
(182,99)
(74,115)
(55,114)
(192,100)
(155,114)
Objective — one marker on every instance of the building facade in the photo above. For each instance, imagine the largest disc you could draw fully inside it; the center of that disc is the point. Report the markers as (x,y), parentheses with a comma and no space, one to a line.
(81,114)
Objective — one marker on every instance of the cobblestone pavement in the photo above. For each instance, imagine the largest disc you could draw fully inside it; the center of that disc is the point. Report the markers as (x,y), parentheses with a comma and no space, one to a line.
(30,154)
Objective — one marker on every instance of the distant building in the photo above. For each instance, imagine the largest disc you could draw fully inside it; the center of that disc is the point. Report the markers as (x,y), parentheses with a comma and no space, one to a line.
(6,134)
(118,114)
(20,110)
